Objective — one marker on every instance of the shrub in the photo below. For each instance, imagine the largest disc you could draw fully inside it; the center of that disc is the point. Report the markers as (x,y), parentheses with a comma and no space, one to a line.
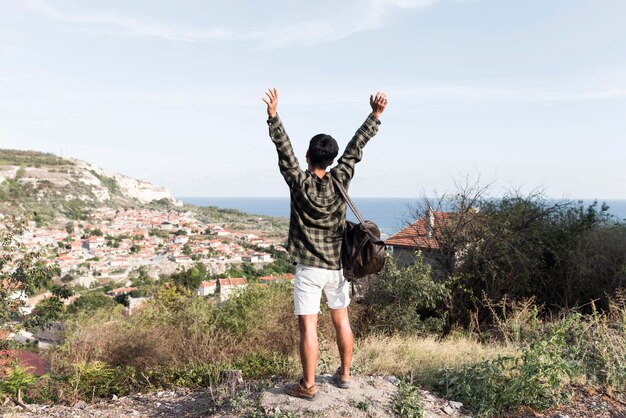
(406,300)
(91,302)
(562,253)
(180,329)
(535,378)
(97,379)
(15,380)
(407,403)
(188,375)
(263,364)
(597,344)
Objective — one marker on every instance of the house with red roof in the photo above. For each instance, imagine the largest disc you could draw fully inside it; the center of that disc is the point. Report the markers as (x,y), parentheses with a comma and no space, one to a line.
(287,277)
(207,288)
(423,235)
(226,287)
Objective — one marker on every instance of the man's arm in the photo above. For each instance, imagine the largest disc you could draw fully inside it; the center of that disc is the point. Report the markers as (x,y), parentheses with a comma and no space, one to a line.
(287,161)
(344,170)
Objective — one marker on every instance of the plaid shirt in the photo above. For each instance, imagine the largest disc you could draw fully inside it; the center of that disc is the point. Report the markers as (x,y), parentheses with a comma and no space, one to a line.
(318,212)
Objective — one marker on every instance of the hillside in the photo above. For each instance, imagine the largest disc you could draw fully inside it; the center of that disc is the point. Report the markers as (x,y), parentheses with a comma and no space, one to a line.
(58,188)
(55,189)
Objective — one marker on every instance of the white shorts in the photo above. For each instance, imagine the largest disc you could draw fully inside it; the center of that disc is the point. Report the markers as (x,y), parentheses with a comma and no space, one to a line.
(308,286)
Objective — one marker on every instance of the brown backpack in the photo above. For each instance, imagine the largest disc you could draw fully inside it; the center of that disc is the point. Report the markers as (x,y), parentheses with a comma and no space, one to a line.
(362,250)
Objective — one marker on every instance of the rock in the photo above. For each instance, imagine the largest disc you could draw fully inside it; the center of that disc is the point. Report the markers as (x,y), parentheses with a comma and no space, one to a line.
(562,416)
(81,405)
(114,398)
(448,410)
(393,380)
(455,405)
(231,377)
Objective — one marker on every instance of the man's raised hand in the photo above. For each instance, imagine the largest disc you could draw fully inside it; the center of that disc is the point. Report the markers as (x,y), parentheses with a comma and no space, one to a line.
(378,103)
(271,101)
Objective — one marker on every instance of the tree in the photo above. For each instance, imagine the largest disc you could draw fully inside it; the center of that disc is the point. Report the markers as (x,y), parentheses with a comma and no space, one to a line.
(122,299)
(62,292)
(48,310)
(22,271)
(190,278)
(90,303)
(67,278)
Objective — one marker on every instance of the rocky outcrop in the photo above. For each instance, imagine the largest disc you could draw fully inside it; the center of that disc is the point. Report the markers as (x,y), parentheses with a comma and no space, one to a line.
(136,189)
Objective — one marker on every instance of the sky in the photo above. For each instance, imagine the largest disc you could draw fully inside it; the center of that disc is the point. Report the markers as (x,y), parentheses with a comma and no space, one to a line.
(523,94)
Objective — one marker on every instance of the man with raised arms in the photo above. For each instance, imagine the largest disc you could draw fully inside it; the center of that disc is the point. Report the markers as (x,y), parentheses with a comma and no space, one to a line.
(316,225)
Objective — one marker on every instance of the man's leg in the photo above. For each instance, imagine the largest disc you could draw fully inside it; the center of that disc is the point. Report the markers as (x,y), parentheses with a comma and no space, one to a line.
(345,339)
(308,348)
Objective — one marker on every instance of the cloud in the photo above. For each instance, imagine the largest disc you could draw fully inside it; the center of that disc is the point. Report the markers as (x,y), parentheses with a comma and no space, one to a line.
(358,16)
(363,16)
(129,26)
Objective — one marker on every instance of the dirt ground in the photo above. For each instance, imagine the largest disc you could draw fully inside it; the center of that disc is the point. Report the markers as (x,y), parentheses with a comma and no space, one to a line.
(369,396)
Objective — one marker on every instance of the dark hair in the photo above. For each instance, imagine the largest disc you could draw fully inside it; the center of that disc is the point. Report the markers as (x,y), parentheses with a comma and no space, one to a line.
(322,150)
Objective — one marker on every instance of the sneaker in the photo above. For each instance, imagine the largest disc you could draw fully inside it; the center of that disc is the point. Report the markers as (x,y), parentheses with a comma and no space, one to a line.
(342,381)
(299,391)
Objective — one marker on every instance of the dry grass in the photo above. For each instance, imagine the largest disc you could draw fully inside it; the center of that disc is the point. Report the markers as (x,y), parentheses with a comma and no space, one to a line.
(174,330)
(423,356)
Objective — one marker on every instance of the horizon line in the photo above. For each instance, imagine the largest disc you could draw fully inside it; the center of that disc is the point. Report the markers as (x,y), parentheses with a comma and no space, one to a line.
(599,199)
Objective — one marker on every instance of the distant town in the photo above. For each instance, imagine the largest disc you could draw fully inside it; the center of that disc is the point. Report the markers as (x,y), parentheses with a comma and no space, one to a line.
(96,253)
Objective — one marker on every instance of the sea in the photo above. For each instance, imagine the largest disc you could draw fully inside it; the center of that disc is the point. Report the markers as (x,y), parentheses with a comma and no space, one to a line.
(391,214)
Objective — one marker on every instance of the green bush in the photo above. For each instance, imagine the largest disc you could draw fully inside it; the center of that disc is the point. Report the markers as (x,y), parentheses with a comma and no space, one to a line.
(97,379)
(15,380)
(536,378)
(562,253)
(263,364)
(597,345)
(406,300)
(407,403)
(90,302)
(189,375)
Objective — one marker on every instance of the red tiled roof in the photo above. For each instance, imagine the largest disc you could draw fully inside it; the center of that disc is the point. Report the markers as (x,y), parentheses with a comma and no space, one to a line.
(416,234)
(286,276)
(232,281)
(32,362)
(122,290)
(208,283)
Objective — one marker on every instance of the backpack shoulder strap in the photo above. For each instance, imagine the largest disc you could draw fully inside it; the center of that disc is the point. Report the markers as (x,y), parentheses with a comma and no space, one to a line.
(349,201)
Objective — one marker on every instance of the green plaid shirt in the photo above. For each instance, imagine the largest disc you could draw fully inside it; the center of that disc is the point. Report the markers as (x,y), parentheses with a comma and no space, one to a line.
(318,212)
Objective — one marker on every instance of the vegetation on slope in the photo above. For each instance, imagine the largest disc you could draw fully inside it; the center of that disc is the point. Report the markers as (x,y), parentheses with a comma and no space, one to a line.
(31,158)
(54,201)
(489,331)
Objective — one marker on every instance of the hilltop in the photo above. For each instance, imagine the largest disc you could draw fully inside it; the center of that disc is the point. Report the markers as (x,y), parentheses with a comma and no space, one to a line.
(54,187)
